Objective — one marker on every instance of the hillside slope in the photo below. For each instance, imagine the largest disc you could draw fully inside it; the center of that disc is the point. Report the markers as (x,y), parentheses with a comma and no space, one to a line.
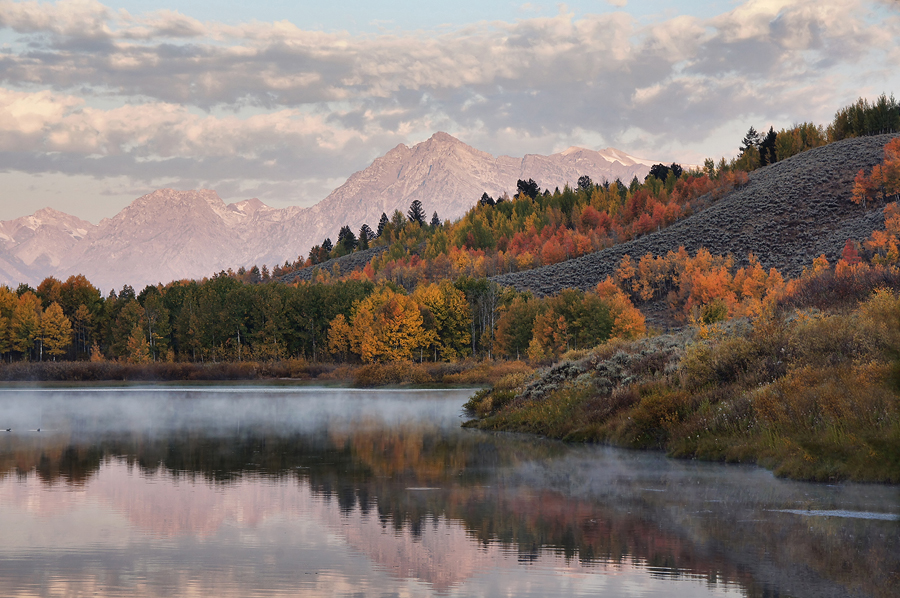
(448,177)
(788,214)
(170,234)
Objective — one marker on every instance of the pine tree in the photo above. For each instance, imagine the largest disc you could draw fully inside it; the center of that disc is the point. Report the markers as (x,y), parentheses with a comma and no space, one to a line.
(365,235)
(767,153)
(365,231)
(382,223)
(435,221)
(416,213)
(751,139)
(347,240)
(585,183)
(528,188)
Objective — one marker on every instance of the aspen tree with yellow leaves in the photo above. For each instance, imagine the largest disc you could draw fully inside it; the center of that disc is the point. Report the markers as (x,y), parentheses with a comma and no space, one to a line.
(57,330)
(137,347)
(26,323)
(8,302)
(448,310)
(339,333)
(387,326)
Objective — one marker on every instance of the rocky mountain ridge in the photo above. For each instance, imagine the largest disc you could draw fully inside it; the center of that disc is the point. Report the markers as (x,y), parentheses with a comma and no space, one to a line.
(38,243)
(170,235)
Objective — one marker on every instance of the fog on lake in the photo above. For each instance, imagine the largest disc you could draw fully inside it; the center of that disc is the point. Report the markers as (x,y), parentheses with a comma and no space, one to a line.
(284,491)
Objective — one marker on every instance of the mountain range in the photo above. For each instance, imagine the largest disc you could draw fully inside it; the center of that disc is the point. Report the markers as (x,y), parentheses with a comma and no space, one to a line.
(171,235)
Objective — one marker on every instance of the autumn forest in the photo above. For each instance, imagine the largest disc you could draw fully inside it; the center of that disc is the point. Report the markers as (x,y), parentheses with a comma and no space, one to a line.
(427,294)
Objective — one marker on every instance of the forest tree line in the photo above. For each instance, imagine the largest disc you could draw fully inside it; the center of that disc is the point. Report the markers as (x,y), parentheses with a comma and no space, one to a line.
(224,319)
(436,303)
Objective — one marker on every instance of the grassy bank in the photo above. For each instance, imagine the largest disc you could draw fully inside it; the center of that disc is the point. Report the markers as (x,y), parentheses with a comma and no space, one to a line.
(461,373)
(809,394)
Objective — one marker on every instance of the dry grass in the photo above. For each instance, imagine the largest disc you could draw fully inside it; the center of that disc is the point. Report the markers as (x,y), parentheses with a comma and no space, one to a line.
(812,396)
(488,372)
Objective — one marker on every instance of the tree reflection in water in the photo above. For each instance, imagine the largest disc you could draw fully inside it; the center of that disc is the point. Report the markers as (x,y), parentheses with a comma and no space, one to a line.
(422,477)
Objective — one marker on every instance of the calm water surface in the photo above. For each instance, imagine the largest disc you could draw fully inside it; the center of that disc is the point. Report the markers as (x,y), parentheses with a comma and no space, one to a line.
(321,492)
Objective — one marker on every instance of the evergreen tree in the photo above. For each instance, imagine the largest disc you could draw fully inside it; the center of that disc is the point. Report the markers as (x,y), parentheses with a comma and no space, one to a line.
(750,140)
(416,213)
(585,183)
(365,235)
(486,200)
(658,171)
(528,188)
(346,240)
(435,221)
(767,148)
(127,293)
(382,223)
(327,246)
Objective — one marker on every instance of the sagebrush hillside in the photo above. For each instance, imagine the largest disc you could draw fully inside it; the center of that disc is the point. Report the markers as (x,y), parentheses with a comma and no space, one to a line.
(790,213)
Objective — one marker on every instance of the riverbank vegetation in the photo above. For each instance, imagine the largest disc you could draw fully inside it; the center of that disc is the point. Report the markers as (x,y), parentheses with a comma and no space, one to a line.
(801,375)
(462,373)
(809,387)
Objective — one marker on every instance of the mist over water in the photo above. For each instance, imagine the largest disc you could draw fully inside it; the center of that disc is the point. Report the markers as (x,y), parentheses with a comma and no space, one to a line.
(163,410)
(243,491)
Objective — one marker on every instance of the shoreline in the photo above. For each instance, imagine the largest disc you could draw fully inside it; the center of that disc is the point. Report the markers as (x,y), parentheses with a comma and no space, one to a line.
(810,396)
(463,374)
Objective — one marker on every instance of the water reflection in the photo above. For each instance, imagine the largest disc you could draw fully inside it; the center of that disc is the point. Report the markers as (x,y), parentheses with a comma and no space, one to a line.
(241,492)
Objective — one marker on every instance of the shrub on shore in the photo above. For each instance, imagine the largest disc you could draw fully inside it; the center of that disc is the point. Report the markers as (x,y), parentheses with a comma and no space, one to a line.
(809,395)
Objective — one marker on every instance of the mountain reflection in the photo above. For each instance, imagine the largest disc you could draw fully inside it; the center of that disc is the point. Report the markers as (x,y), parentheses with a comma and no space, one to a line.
(425,500)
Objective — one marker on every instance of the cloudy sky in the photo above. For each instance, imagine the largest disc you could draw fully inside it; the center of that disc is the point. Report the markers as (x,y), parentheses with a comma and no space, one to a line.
(283,100)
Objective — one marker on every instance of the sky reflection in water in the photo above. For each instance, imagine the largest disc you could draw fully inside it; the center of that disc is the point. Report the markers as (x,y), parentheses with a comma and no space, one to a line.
(246,491)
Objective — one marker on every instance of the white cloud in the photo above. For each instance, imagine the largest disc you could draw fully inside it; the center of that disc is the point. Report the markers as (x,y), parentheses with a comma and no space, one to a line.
(313,104)
(76,18)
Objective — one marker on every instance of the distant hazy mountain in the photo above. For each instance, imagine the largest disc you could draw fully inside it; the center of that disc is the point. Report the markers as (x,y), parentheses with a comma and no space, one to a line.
(448,177)
(32,247)
(169,235)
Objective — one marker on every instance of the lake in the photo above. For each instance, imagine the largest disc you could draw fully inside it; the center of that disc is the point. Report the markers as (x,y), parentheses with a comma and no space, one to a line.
(283,491)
